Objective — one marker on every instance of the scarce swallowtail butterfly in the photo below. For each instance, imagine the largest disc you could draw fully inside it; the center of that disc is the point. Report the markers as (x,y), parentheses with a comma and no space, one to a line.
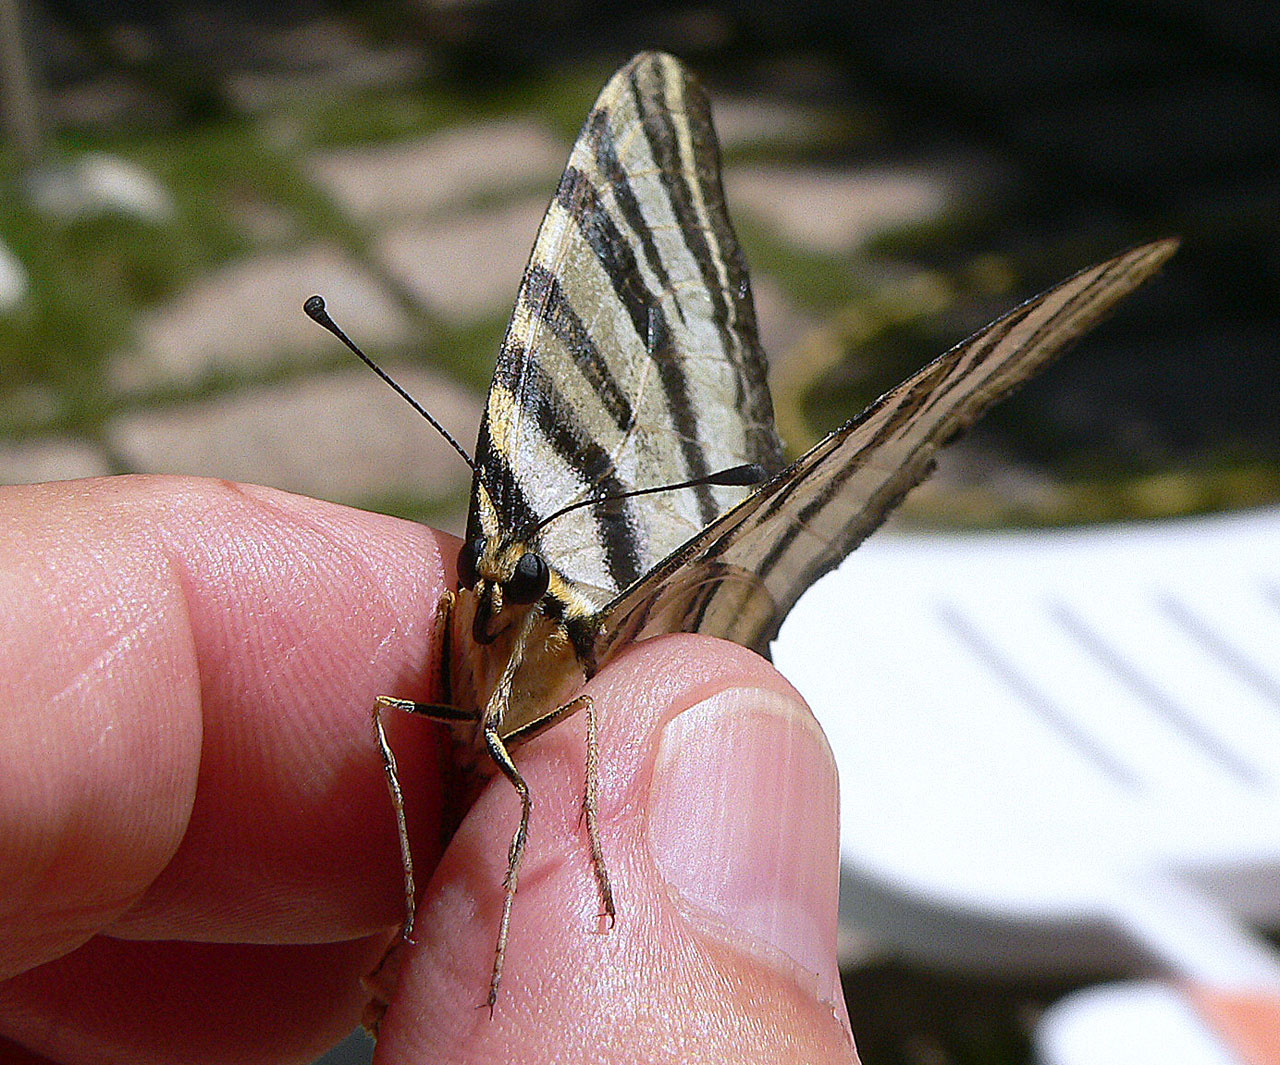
(628,477)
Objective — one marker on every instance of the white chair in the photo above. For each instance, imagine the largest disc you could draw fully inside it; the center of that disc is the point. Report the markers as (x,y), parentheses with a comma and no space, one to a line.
(1060,752)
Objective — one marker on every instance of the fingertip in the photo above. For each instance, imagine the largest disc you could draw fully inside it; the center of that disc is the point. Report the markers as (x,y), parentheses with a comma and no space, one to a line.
(743,819)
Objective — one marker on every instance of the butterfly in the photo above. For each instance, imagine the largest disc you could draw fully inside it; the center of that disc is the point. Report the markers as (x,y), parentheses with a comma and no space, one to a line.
(628,476)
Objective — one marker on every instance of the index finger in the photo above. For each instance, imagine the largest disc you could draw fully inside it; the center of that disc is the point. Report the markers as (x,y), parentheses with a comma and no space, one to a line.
(187,674)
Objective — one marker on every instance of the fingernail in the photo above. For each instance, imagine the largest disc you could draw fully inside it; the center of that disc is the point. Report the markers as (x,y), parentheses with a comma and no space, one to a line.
(743,825)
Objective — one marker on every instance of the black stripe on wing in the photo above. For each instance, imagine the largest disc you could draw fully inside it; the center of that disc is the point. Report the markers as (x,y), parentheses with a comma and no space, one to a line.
(742,574)
(542,289)
(673,110)
(579,197)
(660,128)
(619,182)
(573,443)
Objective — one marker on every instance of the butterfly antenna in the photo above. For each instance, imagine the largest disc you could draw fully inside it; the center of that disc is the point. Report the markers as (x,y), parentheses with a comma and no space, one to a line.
(748,473)
(314,308)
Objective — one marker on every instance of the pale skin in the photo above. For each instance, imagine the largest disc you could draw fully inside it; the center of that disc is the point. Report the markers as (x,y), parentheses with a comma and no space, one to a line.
(199,857)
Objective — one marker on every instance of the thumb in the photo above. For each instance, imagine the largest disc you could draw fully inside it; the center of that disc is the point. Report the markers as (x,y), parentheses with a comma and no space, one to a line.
(718,822)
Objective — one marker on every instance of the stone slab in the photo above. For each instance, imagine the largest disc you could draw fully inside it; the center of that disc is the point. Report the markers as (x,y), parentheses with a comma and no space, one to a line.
(742,121)
(419,178)
(782,323)
(50,459)
(249,314)
(835,211)
(342,436)
(469,267)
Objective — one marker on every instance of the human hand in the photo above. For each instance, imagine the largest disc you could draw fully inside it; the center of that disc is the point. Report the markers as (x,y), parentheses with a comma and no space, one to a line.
(197,854)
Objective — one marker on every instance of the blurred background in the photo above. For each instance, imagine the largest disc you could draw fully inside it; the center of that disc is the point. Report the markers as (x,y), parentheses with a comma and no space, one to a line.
(175,178)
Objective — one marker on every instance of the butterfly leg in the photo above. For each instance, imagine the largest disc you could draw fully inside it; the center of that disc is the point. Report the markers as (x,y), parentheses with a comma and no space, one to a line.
(591,791)
(589,810)
(435,713)
(442,655)
(502,758)
(383,978)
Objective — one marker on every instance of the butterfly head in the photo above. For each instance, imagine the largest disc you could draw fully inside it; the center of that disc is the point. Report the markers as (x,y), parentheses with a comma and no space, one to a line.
(507,579)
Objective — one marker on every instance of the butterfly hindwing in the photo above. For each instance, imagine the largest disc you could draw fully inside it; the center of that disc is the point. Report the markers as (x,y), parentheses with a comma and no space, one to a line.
(632,358)
(739,577)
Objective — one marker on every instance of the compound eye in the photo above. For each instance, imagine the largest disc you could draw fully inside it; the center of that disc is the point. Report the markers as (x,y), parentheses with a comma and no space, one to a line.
(529,581)
(468,556)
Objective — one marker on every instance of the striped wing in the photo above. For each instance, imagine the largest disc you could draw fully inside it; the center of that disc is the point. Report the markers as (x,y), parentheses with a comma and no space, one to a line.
(632,358)
(739,577)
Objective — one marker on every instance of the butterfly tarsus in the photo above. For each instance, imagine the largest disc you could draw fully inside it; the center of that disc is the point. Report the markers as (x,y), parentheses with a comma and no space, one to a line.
(590,810)
(382,980)
(392,773)
(498,751)
(389,767)
(502,758)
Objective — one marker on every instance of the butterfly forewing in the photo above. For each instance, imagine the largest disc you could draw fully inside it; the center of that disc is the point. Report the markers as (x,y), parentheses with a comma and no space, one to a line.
(742,574)
(632,358)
